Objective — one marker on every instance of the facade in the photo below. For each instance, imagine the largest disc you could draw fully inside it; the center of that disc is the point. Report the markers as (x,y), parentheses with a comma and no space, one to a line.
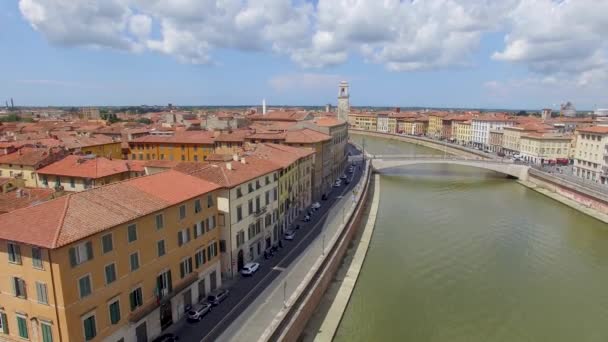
(185,146)
(365,121)
(541,148)
(343,101)
(84,267)
(338,131)
(99,145)
(590,154)
(382,122)
(435,124)
(413,126)
(248,207)
(24,163)
(78,173)
(481,126)
(462,132)
(495,140)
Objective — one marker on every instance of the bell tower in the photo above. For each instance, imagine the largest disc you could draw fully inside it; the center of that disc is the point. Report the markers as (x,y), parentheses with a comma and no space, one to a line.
(343,101)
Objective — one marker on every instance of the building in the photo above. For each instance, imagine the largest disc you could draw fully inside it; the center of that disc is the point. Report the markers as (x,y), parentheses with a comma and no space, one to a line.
(481,126)
(462,132)
(546,114)
(495,140)
(78,173)
(248,206)
(183,146)
(511,140)
(367,121)
(99,145)
(382,120)
(589,154)
(337,129)
(24,163)
(413,126)
(85,267)
(90,113)
(436,124)
(343,101)
(542,148)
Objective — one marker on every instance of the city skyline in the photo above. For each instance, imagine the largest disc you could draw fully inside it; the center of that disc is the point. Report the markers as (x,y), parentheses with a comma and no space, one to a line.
(512,55)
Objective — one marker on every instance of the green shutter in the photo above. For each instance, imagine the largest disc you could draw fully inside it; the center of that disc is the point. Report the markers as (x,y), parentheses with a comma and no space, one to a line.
(4,323)
(114,312)
(22,325)
(47,333)
(73,257)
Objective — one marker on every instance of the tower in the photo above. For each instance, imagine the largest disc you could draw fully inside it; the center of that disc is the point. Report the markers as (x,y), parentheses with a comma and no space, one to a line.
(343,104)
(264,106)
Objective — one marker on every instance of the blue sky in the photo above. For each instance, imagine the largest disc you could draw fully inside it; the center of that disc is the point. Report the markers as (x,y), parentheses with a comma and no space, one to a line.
(44,65)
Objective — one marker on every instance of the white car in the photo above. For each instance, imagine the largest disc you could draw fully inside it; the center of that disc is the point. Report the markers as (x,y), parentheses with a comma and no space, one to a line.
(290,235)
(250,268)
(198,311)
(337,184)
(343,177)
(316,205)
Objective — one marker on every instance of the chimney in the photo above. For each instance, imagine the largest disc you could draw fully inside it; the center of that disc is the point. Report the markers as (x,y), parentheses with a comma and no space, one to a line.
(235,157)
(229,166)
(243,161)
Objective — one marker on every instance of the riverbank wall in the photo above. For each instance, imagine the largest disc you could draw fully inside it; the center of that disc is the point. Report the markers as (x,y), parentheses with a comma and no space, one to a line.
(291,321)
(584,199)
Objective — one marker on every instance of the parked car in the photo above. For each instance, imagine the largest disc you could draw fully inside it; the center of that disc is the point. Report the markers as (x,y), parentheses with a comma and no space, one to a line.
(343,177)
(199,310)
(324,197)
(351,169)
(306,218)
(500,154)
(347,182)
(250,268)
(316,205)
(337,184)
(290,235)
(166,338)
(216,298)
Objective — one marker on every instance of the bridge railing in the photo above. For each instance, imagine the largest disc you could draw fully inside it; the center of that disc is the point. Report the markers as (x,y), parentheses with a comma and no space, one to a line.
(438,158)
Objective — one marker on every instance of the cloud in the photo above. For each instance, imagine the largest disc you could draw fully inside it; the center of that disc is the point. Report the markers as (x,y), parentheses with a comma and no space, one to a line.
(304,81)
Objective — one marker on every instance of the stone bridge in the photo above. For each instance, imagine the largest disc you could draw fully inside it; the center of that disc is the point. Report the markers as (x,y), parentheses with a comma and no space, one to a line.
(506,167)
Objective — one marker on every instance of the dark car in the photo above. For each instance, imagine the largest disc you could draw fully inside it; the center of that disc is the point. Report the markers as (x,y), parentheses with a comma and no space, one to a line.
(166,338)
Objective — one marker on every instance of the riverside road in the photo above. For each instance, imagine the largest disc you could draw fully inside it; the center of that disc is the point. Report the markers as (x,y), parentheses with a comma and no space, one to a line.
(244,291)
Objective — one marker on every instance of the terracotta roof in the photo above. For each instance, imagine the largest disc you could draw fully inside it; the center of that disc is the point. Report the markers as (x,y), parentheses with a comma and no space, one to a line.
(280,116)
(161,163)
(29,156)
(237,174)
(267,136)
(12,200)
(76,216)
(305,136)
(74,142)
(282,155)
(185,137)
(80,166)
(594,129)
(328,122)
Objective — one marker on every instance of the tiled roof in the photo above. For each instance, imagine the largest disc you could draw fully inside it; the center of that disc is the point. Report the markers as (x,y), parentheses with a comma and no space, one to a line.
(282,155)
(328,122)
(594,129)
(280,116)
(30,156)
(305,136)
(79,166)
(267,136)
(185,137)
(76,216)
(29,196)
(73,142)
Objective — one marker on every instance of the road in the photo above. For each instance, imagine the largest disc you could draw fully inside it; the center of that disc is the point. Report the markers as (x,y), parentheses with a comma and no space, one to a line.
(244,291)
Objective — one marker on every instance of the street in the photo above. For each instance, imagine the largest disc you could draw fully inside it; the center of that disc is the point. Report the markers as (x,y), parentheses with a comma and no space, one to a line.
(245,290)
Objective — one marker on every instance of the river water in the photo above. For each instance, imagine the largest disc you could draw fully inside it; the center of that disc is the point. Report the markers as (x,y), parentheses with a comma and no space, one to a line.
(462,254)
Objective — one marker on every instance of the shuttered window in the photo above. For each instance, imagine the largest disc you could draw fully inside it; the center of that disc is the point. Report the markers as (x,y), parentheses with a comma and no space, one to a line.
(41,293)
(114,312)
(22,325)
(47,332)
(37,257)
(81,253)
(84,286)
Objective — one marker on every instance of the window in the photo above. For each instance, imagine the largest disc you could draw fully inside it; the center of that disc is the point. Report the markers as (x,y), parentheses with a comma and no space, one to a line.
(159,221)
(14,253)
(22,325)
(257,184)
(197,206)
(84,286)
(257,203)
(3,323)
(275,194)
(160,247)
(110,271)
(41,293)
(183,236)
(199,258)
(163,283)
(182,212)
(267,197)
(210,223)
(81,253)
(136,298)
(212,250)
(239,213)
(114,309)
(132,232)
(36,257)
(250,187)
(47,332)
(107,245)
(250,205)
(209,201)
(90,330)
(267,180)
(240,238)
(72,182)
(185,267)
(239,192)
(19,289)
(134,259)
(223,246)
(199,229)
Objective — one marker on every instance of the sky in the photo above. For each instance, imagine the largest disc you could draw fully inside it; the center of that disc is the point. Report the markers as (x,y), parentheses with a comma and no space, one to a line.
(511,54)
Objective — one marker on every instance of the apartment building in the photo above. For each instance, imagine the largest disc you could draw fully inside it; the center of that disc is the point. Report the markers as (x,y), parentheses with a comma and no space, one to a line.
(495,140)
(481,126)
(85,267)
(511,140)
(382,120)
(24,162)
(337,129)
(590,154)
(99,145)
(436,124)
(462,132)
(413,126)
(540,148)
(366,121)
(78,173)
(183,146)
(248,206)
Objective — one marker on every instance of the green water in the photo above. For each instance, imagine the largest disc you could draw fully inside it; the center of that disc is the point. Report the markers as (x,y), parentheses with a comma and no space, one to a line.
(461,254)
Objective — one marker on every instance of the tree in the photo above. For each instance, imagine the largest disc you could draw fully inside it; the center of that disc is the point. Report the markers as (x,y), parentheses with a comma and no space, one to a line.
(522,113)
(144,121)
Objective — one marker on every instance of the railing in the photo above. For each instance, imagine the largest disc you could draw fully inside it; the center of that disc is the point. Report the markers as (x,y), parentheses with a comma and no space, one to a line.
(261,211)
(438,158)
(585,183)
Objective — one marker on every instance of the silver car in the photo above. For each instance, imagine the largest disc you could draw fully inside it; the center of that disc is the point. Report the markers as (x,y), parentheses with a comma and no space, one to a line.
(198,311)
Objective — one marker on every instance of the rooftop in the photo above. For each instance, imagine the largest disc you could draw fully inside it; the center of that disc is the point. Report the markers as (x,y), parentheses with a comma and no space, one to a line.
(22,198)
(185,137)
(83,167)
(305,136)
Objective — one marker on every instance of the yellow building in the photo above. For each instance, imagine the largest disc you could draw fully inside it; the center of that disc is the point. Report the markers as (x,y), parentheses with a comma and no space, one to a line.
(99,145)
(435,127)
(184,146)
(85,267)
(23,163)
(365,121)
(462,132)
(542,148)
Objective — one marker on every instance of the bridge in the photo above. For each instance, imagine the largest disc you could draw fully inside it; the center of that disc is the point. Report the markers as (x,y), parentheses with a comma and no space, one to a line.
(507,167)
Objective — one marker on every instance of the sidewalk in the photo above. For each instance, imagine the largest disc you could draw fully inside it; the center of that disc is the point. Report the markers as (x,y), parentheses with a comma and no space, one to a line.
(257,317)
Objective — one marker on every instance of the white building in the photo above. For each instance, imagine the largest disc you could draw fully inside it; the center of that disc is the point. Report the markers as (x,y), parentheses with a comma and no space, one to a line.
(382,122)
(481,126)
(589,154)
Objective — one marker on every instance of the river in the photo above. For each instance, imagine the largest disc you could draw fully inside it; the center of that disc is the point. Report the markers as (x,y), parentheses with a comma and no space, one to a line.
(462,254)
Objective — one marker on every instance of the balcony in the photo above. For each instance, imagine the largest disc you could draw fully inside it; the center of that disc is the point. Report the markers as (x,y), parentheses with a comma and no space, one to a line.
(261,211)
